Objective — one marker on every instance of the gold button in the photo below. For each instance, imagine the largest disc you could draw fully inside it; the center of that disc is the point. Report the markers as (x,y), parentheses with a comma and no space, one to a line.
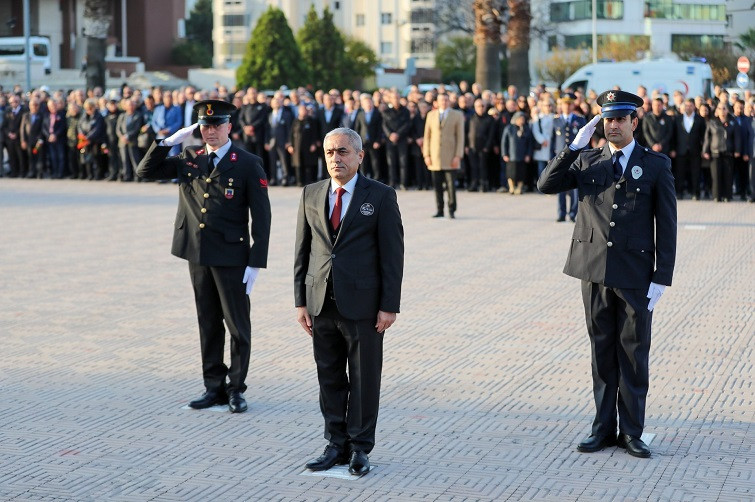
(201,225)
(209,180)
(188,174)
(207,196)
(612,224)
(615,206)
(609,244)
(638,189)
(204,210)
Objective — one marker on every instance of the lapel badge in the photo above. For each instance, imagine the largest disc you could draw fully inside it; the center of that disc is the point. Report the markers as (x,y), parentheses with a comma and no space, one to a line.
(636,172)
(230,180)
(367,209)
(263,183)
(234,157)
(229,193)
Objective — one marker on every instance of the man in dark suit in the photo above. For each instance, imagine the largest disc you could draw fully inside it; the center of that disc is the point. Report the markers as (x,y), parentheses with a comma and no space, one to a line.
(396,126)
(54,132)
(32,139)
(657,128)
(277,135)
(220,185)
(370,127)
(128,128)
(253,122)
(741,163)
(688,132)
(623,249)
(565,127)
(12,133)
(348,268)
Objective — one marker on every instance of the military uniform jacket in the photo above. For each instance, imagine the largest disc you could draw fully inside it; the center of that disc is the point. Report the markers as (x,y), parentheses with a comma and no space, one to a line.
(625,235)
(366,259)
(212,222)
(564,131)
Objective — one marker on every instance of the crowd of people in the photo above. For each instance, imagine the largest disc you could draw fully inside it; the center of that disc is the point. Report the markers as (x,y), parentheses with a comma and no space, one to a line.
(510,137)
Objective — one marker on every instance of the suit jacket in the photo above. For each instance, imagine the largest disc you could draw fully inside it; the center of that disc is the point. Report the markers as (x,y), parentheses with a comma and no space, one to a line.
(625,236)
(277,135)
(658,130)
(688,142)
(12,123)
(481,133)
(254,115)
(366,260)
(59,128)
(722,138)
(443,141)
(212,222)
(304,135)
(371,131)
(31,130)
(129,127)
(396,120)
(746,133)
(564,131)
(335,120)
(346,120)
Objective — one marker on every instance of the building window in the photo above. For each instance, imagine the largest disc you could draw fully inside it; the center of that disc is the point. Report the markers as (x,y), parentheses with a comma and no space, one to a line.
(336,5)
(360,20)
(386,18)
(234,20)
(582,9)
(667,9)
(423,46)
(386,47)
(684,43)
(585,41)
(426,16)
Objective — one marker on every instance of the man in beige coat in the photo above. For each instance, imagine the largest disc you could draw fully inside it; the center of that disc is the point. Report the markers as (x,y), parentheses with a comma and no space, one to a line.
(443,149)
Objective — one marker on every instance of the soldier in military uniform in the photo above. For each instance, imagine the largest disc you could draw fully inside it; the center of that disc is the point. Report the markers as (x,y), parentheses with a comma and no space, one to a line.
(565,127)
(220,185)
(623,249)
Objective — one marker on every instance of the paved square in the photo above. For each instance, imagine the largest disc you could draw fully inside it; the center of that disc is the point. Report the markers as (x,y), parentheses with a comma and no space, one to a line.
(486,381)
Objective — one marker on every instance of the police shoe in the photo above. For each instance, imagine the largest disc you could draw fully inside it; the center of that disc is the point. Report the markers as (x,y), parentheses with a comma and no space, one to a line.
(359,464)
(333,455)
(596,443)
(634,446)
(209,399)
(236,402)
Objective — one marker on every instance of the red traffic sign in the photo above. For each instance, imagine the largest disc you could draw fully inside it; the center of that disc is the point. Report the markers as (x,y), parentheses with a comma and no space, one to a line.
(743,64)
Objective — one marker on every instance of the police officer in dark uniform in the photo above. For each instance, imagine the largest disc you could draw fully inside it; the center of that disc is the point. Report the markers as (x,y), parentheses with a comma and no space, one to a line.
(623,249)
(220,185)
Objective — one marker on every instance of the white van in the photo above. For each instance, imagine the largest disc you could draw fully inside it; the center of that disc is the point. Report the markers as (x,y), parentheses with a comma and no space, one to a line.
(13,50)
(692,78)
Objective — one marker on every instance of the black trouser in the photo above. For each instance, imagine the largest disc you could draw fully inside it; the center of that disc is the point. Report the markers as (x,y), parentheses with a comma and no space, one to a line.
(16,157)
(478,170)
(687,172)
(131,155)
(279,153)
(439,177)
(349,404)
(74,162)
(720,176)
(741,173)
(396,155)
(373,164)
(618,323)
(220,294)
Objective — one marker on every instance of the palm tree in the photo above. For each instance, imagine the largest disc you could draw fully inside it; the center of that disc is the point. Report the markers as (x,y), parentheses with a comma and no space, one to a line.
(96,25)
(518,43)
(487,38)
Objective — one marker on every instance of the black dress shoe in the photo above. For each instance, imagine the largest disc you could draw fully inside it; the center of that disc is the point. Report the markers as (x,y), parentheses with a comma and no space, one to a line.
(209,399)
(359,465)
(332,455)
(452,215)
(561,219)
(438,215)
(596,443)
(236,402)
(634,446)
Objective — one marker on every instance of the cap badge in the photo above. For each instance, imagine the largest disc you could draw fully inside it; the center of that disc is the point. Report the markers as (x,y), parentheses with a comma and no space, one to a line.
(209,111)
(636,172)
(610,96)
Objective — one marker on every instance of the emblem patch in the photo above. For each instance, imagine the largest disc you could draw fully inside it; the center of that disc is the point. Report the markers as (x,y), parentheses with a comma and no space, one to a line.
(367,209)
(234,157)
(636,172)
(263,182)
(229,193)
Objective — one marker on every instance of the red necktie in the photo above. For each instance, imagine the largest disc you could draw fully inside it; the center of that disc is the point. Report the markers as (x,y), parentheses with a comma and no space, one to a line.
(335,217)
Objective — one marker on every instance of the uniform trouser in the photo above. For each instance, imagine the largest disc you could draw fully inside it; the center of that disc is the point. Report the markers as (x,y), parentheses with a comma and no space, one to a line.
(349,404)
(618,323)
(573,203)
(220,294)
(397,157)
(720,176)
(439,177)
(687,172)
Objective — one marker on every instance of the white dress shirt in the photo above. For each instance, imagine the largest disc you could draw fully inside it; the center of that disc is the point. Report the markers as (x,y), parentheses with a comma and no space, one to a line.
(626,152)
(345,198)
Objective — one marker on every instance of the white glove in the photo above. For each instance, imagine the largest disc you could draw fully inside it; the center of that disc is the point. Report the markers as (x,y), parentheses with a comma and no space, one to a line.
(583,135)
(179,136)
(654,293)
(250,275)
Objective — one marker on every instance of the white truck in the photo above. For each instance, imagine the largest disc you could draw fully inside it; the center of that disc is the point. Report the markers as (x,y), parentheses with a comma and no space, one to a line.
(692,78)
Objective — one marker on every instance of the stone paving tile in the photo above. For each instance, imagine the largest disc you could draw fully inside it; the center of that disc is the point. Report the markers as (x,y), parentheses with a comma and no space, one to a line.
(486,383)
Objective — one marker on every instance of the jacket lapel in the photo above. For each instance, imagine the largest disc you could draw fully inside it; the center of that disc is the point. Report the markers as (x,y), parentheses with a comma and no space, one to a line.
(321,200)
(606,162)
(357,199)
(224,165)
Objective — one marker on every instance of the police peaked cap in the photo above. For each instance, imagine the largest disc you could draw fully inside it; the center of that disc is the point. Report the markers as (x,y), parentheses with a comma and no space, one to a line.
(618,103)
(213,111)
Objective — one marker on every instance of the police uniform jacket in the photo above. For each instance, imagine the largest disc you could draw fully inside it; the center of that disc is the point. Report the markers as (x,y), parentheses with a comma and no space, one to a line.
(365,261)
(625,236)
(564,131)
(212,222)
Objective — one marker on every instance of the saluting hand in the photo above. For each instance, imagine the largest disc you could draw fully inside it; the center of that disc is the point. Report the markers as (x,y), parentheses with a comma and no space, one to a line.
(384,320)
(179,136)
(584,134)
